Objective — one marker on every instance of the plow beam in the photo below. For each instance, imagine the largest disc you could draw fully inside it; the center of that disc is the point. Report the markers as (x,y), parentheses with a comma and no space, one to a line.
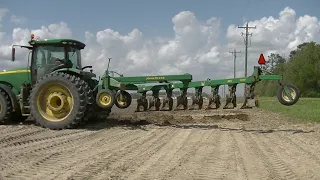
(231,98)
(197,99)
(214,100)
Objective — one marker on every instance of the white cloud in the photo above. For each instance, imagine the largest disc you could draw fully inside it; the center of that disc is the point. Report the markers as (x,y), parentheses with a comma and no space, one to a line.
(3,12)
(195,47)
(18,20)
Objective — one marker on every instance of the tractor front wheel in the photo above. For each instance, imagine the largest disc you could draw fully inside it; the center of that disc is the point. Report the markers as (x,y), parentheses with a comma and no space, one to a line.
(58,101)
(123,102)
(288,94)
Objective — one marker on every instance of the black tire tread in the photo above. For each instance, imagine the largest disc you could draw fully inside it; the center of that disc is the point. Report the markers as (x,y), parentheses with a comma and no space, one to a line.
(7,118)
(76,81)
(279,94)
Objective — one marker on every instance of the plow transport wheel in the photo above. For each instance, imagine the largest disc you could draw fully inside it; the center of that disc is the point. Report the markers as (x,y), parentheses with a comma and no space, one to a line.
(125,101)
(58,101)
(288,94)
(105,99)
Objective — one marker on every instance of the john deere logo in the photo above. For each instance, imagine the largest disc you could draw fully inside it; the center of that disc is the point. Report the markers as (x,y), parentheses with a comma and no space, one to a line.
(156,78)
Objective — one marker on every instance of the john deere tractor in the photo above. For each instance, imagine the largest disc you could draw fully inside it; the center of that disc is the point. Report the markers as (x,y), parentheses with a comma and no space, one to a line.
(54,89)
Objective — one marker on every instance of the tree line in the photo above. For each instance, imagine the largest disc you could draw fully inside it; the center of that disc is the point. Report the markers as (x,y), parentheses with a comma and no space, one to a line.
(301,67)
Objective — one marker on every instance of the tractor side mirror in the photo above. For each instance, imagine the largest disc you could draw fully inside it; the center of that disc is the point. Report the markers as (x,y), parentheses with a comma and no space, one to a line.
(13,54)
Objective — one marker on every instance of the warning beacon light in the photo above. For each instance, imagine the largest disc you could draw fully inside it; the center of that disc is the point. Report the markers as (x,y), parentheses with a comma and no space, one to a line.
(261,60)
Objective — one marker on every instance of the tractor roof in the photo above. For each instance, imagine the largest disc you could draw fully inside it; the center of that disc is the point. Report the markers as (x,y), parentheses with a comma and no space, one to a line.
(34,42)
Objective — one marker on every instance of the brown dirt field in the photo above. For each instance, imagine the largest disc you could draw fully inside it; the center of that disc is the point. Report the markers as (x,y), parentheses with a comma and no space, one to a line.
(214,144)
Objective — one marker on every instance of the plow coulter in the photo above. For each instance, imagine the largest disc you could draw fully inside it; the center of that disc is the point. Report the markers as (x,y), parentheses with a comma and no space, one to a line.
(59,93)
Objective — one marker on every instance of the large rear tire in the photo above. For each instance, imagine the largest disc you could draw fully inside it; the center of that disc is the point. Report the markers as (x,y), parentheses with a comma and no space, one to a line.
(5,108)
(58,101)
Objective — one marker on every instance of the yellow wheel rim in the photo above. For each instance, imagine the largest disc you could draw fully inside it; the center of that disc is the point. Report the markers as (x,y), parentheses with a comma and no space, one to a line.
(292,94)
(55,102)
(105,99)
(120,102)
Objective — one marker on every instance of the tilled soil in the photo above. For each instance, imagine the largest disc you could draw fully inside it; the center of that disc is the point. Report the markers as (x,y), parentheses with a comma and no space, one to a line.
(214,144)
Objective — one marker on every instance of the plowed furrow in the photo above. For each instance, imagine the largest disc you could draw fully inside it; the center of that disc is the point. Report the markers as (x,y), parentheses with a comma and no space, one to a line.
(61,160)
(106,159)
(255,161)
(21,136)
(153,155)
(311,150)
(306,164)
(186,165)
(80,141)
(241,171)
(85,156)
(19,158)
(141,163)
(217,160)
(280,168)
(177,165)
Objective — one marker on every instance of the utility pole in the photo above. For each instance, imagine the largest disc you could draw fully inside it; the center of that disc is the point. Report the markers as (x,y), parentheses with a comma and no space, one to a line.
(234,52)
(246,44)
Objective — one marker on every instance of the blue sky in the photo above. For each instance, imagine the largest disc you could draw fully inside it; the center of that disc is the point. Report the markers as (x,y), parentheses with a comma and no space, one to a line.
(153,18)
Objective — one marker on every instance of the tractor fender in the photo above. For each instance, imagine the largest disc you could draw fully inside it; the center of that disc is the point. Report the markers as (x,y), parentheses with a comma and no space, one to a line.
(67,70)
(13,97)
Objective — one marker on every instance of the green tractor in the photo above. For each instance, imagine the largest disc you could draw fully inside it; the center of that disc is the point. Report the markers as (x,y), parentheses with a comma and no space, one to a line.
(55,89)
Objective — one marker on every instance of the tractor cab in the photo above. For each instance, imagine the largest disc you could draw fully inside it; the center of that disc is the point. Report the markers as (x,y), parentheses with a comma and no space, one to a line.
(53,54)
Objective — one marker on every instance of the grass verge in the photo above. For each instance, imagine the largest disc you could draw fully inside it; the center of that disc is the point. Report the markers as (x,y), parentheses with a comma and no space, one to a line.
(305,109)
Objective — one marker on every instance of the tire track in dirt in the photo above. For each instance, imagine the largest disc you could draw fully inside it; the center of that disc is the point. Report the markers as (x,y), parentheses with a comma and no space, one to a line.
(296,156)
(239,171)
(40,138)
(7,130)
(54,161)
(108,158)
(213,160)
(280,169)
(151,156)
(20,135)
(170,164)
(254,161)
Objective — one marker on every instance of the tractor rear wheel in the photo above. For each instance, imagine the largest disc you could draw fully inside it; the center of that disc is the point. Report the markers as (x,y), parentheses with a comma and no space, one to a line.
(5,107)
(58,101)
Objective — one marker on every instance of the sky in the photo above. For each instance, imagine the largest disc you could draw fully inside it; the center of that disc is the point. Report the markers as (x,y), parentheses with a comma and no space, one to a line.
(162,37)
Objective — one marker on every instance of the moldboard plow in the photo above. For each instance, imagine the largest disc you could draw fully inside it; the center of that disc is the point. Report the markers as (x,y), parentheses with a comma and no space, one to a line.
(287,93)
(59,93)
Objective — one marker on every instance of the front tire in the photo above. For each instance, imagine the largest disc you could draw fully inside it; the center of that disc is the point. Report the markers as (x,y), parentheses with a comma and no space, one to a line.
(58,101)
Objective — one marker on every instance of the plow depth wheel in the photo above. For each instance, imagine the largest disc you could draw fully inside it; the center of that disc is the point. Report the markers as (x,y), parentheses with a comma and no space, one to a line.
(105,99)
(288,94)
(123,102)
(58,101)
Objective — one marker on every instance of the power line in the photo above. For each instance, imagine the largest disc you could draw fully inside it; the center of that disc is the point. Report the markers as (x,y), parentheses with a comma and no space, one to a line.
(234,52)
(246,44)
